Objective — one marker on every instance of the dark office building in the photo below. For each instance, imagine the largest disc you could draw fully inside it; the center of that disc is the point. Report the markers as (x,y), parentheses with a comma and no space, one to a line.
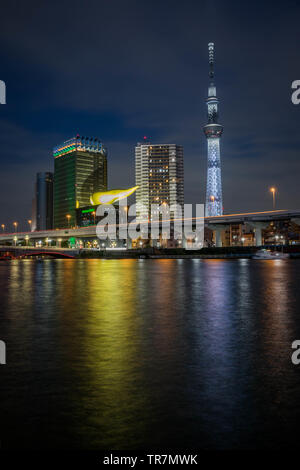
(80,169)
(42,210)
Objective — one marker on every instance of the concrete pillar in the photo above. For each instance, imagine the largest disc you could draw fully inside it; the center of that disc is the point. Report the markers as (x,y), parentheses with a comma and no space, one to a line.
(258,236)
(218,235)
(218,229)
(258,226)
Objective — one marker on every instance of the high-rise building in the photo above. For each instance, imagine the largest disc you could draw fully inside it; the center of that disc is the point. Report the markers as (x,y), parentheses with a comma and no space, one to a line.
(158,175)
(213,131)
(42,205)
(80,169)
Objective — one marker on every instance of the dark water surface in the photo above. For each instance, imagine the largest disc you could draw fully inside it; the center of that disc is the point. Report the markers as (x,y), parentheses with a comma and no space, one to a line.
(149,354)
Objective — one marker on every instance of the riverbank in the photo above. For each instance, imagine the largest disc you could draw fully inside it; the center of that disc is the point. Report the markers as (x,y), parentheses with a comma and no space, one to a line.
(7,253)
(205,253)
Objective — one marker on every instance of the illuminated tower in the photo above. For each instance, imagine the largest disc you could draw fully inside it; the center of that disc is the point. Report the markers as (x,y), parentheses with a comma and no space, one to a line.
(213,132)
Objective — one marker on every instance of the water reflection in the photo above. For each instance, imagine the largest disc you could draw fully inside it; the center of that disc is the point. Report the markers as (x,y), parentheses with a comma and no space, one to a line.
(125,354)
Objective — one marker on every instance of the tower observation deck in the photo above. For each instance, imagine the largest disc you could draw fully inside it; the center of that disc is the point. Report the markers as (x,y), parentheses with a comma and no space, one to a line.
(213,131)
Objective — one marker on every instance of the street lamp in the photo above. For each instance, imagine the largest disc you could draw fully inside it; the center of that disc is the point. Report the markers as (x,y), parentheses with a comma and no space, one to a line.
(94,214)
(29,222)
(3,227)
(68,218)
(15,224)
(273,191)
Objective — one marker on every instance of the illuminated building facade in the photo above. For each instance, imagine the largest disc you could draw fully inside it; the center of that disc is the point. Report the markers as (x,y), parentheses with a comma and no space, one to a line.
(80,169)
(42,207)
(159,176)
(213,131)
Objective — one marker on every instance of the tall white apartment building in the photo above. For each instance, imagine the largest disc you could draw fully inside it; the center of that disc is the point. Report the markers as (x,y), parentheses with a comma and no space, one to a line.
(159,175)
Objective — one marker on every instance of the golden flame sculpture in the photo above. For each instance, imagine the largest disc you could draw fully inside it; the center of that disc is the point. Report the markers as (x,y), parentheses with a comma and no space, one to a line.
(111,196)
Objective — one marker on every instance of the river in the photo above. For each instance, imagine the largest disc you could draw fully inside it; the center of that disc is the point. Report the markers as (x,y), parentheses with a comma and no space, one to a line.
(149,354)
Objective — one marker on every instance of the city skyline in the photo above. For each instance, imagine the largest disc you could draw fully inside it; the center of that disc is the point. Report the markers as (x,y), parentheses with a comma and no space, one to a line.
(49,103)
(150,263)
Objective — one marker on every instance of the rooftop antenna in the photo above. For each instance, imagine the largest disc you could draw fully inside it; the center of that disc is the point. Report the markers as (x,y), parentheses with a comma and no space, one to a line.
(211,59)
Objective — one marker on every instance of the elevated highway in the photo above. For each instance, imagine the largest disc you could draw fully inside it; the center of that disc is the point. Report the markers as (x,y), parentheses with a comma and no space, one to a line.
(258,220)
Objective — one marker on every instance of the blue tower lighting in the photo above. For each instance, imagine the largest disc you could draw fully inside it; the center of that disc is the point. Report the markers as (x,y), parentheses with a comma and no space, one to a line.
(213,131)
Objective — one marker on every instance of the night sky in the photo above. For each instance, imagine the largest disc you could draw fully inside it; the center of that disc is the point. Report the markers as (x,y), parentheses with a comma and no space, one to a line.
(119,70)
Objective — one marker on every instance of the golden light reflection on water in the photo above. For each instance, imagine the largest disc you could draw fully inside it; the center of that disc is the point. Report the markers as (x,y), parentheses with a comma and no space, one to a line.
(131,348)
(164,296)
(111,306)
(108,318)
(20,286)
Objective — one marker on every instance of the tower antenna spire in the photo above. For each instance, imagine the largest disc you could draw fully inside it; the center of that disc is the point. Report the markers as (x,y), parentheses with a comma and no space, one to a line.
(211,59)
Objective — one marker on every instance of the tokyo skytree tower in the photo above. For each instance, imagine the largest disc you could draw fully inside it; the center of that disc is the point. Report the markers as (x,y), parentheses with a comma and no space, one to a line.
(213,132)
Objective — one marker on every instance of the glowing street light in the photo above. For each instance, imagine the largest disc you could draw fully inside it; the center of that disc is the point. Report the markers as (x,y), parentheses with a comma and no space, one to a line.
(29,222)
(15,224)
(3,227)
(68,218)
(273,191)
